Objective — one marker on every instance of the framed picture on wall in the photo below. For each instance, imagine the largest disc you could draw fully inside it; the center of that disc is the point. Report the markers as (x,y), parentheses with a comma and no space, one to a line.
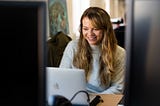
(58,17)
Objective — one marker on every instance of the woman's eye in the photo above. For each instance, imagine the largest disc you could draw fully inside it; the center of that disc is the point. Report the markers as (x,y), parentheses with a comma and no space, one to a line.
(95,29)
(85,29)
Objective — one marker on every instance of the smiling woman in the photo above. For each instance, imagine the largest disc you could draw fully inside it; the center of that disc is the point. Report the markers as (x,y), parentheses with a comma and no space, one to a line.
(97,52)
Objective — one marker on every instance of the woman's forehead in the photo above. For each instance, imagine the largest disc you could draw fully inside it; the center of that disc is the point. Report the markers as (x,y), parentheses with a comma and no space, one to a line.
(88,22)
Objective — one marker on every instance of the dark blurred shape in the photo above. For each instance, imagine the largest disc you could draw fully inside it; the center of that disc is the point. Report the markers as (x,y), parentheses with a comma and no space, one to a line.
(96,101)
(55,48)
(120,35)
(22,56)
(142,86)
(59,100)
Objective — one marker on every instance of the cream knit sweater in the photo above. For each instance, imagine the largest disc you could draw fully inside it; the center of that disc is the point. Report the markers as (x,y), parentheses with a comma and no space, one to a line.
(115,84)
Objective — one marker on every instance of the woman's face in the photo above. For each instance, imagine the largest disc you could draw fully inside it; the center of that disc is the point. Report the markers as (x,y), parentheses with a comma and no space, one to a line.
(90,33)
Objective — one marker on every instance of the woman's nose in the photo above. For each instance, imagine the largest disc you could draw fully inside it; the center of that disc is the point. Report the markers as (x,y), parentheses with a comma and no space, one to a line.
(91,32)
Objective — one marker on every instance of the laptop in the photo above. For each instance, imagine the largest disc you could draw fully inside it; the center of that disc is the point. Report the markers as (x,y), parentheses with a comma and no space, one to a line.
(66,82)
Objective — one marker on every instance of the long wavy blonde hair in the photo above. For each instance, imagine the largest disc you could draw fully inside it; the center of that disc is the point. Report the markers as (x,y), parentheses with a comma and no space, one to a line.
(83,58)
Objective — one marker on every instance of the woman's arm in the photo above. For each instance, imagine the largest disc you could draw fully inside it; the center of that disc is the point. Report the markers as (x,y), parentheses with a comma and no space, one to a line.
(67,58)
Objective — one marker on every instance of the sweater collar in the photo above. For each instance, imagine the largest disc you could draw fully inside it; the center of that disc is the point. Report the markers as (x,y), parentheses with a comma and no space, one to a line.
(95,48)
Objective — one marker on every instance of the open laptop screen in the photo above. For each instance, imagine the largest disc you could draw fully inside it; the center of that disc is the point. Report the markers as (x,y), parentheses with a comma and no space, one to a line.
(66,82)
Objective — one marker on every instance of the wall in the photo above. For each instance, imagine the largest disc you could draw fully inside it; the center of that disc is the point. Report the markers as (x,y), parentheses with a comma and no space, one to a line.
(117,8)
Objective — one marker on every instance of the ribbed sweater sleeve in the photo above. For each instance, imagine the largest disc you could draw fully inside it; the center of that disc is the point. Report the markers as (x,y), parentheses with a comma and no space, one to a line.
(67,58)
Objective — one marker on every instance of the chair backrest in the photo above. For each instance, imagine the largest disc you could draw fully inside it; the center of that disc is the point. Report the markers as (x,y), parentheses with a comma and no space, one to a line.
(55,48)
(120,35)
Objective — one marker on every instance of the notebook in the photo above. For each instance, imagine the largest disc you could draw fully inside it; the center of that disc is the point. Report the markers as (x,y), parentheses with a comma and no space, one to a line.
(66,82)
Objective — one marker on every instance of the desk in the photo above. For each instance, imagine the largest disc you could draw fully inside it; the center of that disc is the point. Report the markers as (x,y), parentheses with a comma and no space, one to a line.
(109,99)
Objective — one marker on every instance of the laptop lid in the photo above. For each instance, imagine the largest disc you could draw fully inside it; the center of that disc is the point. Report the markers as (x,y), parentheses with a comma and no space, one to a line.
(66,82)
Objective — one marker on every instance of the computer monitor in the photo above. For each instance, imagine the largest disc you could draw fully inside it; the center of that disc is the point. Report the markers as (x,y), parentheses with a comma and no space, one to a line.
(142,87)
(22,52)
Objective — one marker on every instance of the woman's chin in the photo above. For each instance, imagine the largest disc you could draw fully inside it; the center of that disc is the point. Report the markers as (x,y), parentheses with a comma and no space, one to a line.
(93,43)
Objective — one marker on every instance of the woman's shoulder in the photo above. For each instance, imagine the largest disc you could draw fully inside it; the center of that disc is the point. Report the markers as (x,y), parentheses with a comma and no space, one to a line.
(120,51)
(119,48)
(72,44)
